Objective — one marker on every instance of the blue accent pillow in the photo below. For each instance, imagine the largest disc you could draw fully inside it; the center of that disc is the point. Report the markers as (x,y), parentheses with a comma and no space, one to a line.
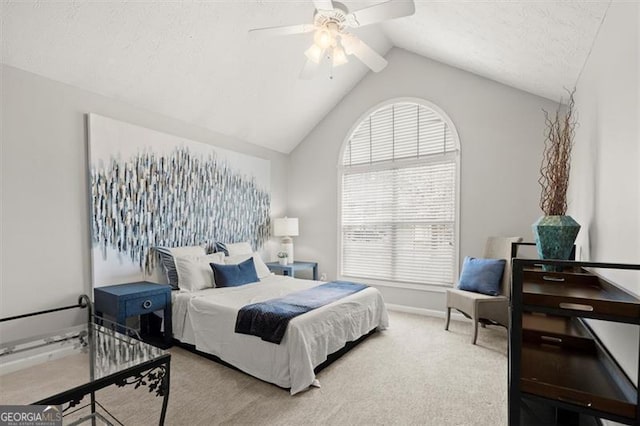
(234,275)
(482,275)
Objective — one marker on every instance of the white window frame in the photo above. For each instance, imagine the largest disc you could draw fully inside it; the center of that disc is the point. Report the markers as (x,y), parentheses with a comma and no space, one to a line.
(427,287)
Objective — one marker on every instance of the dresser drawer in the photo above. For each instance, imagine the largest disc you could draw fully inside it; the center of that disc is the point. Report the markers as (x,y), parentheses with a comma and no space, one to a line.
(145,305)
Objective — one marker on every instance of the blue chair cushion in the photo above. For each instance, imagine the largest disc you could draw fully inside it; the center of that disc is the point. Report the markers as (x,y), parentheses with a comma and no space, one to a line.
(482,275)
(234,275)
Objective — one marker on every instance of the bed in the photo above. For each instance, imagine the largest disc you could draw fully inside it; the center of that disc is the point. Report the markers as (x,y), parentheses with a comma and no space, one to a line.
(206,319)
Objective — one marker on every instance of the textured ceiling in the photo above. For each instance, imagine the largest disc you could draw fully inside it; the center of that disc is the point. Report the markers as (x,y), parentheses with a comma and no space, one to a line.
(196,62)
(538,46)
(192,61)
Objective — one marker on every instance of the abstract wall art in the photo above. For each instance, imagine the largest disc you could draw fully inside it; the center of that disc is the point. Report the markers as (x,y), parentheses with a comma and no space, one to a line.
(150,189)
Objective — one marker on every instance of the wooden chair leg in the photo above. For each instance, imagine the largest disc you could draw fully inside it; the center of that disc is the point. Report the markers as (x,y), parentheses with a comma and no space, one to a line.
(475,318)
(446,324)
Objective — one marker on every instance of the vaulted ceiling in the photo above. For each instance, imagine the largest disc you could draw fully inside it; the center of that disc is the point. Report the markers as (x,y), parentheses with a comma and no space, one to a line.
(195,61)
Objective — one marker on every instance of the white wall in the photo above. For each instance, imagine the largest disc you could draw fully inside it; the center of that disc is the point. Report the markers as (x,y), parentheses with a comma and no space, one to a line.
(501,136)
(45,258)
(604,189)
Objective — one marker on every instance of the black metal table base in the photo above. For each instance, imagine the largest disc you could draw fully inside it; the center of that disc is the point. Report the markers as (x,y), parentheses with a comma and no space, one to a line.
(153,374)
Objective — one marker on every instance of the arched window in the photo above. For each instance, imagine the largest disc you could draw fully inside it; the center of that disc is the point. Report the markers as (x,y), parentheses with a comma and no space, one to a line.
(398,215)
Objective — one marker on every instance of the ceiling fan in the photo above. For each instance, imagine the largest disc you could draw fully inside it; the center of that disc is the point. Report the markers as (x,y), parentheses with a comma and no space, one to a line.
(332,41)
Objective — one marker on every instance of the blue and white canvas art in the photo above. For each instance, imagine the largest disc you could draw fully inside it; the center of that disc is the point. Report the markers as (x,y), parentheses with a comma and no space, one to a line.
(150,189)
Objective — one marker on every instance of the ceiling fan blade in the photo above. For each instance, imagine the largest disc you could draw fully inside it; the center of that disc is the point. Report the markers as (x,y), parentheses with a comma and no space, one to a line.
(356,47)
(309,70)
(323,4)
(391,9)
(286,30)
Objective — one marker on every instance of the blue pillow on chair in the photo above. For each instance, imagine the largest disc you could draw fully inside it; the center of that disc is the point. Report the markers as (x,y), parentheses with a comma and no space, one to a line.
(482,275)
(234,275)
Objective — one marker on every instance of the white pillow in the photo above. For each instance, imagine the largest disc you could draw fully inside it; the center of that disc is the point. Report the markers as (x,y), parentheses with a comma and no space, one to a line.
(167,255)
(261,269)
(195,273)
(237,249)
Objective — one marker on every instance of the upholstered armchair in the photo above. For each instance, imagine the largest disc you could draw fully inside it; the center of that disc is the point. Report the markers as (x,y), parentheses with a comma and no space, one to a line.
(483,308)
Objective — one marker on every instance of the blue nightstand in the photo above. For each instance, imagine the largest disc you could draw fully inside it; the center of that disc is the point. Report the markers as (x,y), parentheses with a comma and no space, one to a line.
(291,268)
(128,300)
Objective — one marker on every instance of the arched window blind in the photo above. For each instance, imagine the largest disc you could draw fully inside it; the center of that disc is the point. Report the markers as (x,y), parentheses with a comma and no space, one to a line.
(398,211)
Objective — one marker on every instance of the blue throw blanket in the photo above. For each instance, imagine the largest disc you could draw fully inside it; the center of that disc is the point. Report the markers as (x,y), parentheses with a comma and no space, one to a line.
(269,319)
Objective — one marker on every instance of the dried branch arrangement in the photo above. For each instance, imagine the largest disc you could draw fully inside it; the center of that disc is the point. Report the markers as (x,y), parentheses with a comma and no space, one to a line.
(556,159)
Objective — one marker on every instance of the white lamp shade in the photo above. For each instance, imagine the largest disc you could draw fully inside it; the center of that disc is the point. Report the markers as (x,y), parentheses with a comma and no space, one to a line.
(285,227)
(339,57)
(314,53)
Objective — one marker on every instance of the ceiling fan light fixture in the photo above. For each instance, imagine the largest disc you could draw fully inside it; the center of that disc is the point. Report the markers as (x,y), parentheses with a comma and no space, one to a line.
(314,53)
(339,57)
(348,43)
(323,38)
(332,42)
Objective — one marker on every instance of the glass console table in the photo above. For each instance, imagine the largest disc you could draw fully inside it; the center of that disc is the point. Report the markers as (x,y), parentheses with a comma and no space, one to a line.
(67,366)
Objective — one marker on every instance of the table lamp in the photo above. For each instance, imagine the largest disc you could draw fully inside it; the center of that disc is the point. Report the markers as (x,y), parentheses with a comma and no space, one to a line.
(286,228)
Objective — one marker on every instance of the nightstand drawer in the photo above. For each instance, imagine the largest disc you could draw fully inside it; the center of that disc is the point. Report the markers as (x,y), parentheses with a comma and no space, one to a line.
(145,305)
(132,300)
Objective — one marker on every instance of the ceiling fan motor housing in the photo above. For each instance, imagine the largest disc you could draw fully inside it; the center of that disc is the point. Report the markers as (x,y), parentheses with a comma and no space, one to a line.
(336,18)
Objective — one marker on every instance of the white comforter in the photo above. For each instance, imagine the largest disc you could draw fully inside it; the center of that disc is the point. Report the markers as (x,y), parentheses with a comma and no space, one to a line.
(207,319)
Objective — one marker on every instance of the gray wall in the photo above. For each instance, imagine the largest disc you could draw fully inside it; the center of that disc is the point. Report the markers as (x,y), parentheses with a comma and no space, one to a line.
(605,181)
(45,222)
(501,137)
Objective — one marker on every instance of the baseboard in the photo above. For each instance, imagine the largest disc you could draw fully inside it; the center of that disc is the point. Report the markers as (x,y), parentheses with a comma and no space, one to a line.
(455,316)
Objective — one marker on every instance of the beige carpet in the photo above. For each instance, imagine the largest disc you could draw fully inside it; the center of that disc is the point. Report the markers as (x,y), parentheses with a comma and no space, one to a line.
(412,373)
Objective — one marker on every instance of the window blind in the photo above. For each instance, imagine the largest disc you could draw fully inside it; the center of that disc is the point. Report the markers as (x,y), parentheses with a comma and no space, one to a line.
(399,198)
(398,131)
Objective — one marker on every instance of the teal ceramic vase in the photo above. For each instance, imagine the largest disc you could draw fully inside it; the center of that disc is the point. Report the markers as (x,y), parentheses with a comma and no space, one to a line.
(555,236)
